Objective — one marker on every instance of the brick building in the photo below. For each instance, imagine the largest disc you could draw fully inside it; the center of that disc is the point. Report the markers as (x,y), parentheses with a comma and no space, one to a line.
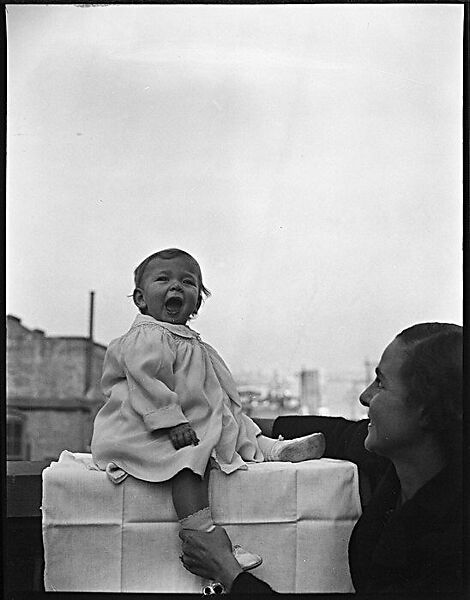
(52,392)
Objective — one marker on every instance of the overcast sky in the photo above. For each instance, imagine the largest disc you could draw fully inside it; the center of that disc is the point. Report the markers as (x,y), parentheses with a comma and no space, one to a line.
(308,156)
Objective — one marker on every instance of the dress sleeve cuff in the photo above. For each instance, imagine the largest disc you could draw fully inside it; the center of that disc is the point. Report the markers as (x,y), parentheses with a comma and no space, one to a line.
(167,416)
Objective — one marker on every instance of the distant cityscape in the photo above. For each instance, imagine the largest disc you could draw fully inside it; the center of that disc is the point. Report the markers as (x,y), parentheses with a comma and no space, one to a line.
(53,392)
(309,391)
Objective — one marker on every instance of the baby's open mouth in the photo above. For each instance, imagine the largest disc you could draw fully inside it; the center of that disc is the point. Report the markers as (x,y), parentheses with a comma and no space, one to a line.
(173,305)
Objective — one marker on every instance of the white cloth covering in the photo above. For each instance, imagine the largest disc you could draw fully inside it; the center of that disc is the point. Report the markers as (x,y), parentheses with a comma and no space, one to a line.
(100,537)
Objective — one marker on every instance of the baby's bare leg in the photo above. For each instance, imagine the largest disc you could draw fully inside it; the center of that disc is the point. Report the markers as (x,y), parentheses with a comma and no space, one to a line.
(190,492)
(191,500)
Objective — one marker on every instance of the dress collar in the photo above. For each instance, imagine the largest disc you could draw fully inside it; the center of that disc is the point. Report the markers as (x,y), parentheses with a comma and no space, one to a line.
(180,330)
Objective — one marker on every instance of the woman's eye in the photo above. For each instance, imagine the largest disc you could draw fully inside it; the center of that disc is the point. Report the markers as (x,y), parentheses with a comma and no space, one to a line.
(379,383)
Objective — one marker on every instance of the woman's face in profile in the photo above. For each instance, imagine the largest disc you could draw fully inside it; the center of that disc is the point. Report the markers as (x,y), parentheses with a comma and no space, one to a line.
(395,423)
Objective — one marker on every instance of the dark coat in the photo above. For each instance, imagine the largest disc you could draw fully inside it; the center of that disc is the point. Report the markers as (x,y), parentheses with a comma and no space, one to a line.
(415,549)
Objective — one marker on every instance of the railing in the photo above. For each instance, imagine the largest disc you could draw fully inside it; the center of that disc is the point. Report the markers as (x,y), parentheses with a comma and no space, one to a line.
(24,559)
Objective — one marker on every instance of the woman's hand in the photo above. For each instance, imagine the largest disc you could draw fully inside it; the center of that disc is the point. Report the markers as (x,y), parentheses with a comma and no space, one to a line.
(183,435)
(209,555)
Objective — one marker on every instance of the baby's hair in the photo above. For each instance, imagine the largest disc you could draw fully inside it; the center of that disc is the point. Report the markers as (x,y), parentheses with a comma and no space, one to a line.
(167,254)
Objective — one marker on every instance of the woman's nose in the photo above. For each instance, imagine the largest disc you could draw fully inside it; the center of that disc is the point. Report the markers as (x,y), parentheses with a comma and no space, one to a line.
(364,398)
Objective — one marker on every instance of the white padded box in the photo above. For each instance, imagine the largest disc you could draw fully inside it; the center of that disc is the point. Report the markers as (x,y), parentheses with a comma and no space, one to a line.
(103,537)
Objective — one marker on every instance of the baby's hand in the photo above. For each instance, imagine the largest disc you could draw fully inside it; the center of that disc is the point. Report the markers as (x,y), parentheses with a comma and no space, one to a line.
(183,435)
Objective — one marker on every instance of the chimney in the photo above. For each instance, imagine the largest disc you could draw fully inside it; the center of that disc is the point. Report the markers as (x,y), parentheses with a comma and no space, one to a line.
(89,346)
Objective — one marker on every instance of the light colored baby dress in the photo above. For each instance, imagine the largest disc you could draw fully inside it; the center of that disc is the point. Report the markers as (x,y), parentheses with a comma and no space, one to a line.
(159,375)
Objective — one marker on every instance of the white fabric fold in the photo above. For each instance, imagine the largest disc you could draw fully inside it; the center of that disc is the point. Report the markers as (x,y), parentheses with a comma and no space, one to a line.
(115,473)
(84,460)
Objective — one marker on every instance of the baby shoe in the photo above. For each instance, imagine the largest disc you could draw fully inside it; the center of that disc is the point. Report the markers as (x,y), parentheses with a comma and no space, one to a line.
(303,448)
(246,560)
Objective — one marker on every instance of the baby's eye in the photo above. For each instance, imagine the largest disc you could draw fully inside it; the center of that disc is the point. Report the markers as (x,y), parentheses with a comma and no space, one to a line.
(162,278)
(189,282)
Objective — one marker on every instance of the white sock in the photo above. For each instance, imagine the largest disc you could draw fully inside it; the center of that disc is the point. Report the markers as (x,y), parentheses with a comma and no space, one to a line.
(267,446)
(199,521)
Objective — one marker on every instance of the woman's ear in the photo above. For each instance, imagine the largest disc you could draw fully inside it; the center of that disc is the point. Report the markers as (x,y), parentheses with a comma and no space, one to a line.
(139,300)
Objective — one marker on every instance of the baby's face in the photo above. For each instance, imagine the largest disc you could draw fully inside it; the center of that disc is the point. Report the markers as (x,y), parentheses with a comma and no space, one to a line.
(169,290)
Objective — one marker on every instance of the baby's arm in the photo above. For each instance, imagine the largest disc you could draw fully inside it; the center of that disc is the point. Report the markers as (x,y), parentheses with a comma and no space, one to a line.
(146,362)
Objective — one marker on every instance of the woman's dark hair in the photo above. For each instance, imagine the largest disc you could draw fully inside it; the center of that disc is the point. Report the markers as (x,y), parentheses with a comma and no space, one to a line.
(433,373)
(167,254)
